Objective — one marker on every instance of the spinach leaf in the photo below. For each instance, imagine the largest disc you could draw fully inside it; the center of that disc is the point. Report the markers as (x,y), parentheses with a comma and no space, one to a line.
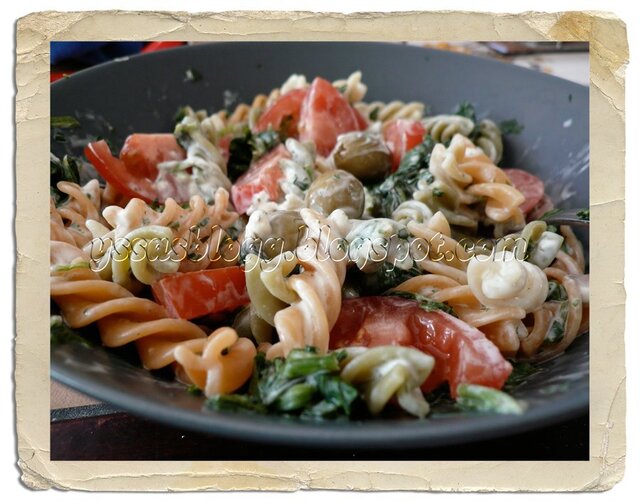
(243,150)
(466,109)
(64,122)
(510,127)
(424,302)
(61,333)
(487,400)
(304,383)
(400,186)
(383,279)
(65,170)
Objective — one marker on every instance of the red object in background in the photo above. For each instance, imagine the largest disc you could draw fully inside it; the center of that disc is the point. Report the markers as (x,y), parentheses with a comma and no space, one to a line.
(159,46)
(401,136)
(57,74)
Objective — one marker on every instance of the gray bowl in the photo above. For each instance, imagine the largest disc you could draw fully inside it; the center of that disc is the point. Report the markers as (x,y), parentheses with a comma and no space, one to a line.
(142,93)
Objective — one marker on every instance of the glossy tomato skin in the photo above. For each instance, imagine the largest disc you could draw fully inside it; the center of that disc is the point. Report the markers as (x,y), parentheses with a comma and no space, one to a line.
(199,293)
(462,353)
(142,152)
(326,114)
(285,108)
(531,187)
(401,136)
(265,175)
(115,171)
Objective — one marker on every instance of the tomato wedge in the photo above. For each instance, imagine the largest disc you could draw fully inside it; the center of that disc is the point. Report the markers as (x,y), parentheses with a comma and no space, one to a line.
(264,175)
(286,109)
(401,136)
(116,172)
(142,152)
(199,293)
(326,114)
(531,187)
(462,353)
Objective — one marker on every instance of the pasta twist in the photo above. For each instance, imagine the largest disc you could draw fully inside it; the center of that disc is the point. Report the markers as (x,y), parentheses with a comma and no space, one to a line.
(389,371)
(202,172)
(68,221)
(122,318)
(303,306)
(387,112)
(219,364)
(442,128)
(352,88)
(181,239)
(489,139)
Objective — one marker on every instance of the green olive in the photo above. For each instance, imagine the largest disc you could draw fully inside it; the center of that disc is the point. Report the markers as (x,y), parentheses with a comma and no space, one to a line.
(336,189)
(364,155)
(286,229)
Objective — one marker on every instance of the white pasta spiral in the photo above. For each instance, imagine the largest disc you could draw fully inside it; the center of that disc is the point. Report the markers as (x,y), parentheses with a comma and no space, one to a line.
(501,280)
(386,371)
(352,88)
(387,112)
(442,128)
(490,140)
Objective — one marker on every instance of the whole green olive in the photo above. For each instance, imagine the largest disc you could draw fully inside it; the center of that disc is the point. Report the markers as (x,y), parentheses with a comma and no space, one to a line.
(286,229)
(364,155)
(336,189)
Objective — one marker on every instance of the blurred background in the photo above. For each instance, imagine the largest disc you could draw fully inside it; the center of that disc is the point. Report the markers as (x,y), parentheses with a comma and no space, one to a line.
(568,60)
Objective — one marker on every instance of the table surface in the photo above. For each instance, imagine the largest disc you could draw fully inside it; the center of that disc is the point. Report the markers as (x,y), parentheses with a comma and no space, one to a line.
(84,429)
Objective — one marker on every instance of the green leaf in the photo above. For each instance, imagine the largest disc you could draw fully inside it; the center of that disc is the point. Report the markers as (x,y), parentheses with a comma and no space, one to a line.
(425,303)
(250,147)
(556,292)
(465,109)
(64,122)
(583,214)
(61,333)
(487,400)
(510,127)
(234,403)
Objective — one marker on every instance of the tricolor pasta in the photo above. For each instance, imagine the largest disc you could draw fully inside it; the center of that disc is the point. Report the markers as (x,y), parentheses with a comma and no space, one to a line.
(312,249)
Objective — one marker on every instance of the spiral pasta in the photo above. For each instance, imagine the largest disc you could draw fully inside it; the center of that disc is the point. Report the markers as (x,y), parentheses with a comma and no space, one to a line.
(68,221)
(313,296)
(179,239)
(352,88)
(122,318)
(385,372)
(442,128)
(387,112)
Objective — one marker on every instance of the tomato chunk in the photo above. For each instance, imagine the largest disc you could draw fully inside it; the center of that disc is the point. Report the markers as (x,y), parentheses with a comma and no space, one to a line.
(462,353)
(283,113)
(198,293)
(326,114)
(401,136)
(265,175)
(531,187)
(115,171)
(142,152)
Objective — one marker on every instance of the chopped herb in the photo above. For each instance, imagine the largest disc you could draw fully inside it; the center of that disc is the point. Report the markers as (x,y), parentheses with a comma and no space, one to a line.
(550,213)
(583,214)
(244,150)
(192,75)
(487,400)
(425,303)
(521,371)
(511,127)
(384,278)
(194,390)
(558,325)
(61,333)
(304,383)
(342,89)
(400,186)
(174,225)
(65,170)
(556,292)
(202,223)
(72,266)
(64,122)
(373,115)
(465,109)
(194,256)
(437,192)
